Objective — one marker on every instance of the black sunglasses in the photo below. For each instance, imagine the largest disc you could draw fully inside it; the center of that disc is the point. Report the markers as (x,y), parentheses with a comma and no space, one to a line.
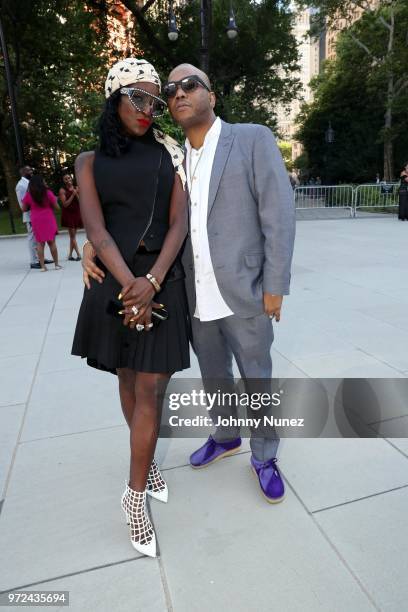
(188,84)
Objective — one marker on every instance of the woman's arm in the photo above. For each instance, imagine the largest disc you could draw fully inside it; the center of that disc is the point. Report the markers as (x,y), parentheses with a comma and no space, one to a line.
(64,200)
(178,225)
(94,223)
(25,203)
(52,200)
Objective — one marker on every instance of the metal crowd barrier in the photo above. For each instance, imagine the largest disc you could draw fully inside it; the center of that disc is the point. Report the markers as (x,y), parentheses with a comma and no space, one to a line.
(324,196)
(380,195)
(368,196)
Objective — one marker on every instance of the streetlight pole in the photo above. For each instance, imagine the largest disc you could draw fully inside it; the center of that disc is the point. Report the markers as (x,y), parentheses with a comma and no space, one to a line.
(205,27)
(329,138)
(12,97)
(205,13)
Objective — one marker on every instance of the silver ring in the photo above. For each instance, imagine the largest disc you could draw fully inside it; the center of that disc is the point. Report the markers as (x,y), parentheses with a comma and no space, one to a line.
(135,310)
(139,327)
(149,326)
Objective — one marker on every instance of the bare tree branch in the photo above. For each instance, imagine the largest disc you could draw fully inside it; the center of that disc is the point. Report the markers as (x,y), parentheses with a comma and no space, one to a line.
(362,45)
(401,87)
(385,23)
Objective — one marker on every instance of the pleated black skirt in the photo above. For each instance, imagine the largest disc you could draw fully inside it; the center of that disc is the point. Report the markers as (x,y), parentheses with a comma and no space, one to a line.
(107,344)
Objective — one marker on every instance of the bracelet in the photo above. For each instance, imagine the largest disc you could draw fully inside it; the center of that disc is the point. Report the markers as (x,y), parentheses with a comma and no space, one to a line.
(154,282)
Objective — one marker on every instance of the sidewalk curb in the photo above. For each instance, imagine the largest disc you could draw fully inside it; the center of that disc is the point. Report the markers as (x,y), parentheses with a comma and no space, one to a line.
(6,236)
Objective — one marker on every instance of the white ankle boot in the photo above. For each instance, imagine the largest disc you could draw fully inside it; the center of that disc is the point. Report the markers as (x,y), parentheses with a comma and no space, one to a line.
(156,486)
(142,534)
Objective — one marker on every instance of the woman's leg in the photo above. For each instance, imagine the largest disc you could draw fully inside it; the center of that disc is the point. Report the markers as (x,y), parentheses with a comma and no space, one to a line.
(54,251)
(127,381)
(144,426)
(71,242)
(40,251)
(73,245)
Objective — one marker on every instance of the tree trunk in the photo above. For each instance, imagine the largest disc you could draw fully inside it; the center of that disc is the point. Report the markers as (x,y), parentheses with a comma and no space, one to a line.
(205,21)
(388,136)
(9,171)
(388,139)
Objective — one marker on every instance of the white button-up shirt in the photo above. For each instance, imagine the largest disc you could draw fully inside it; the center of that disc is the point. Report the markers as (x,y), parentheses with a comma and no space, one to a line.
(210,304)
(21,190)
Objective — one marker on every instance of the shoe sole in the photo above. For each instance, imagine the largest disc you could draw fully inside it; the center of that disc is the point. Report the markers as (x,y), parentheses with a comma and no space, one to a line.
(222,456)
(268,499)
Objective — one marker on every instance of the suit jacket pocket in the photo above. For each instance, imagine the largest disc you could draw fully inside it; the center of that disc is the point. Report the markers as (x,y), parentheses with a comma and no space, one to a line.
(255,260)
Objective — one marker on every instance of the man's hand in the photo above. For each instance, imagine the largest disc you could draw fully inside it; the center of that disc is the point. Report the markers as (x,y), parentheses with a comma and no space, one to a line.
(90,269)
(273,305)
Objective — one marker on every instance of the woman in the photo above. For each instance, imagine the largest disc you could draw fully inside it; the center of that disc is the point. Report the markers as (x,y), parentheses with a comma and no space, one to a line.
(71,215)
(134,210)
(403,195)
(42,202)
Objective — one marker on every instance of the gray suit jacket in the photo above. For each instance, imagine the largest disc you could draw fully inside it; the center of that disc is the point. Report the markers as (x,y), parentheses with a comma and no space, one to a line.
(251,220)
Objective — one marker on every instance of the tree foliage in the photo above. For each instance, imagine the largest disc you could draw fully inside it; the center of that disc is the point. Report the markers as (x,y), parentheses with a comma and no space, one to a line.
(58,54)
(250,74)
(370,70)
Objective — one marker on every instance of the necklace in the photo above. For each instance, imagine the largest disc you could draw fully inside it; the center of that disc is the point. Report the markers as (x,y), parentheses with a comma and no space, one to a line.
(192,175)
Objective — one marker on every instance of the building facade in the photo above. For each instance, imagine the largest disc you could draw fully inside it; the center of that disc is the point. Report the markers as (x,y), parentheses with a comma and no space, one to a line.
(310,55)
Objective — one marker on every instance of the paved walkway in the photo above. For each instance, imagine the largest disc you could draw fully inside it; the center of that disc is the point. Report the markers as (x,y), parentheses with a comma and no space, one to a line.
(338,541)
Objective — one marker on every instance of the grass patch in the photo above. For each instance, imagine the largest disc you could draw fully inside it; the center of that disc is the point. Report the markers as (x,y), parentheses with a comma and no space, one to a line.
(5,224)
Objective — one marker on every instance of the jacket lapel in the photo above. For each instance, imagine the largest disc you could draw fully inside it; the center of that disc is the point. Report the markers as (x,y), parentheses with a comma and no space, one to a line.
(220,159)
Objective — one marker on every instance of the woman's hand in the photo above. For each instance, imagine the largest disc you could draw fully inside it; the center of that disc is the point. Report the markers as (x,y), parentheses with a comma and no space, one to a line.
(138,293)
(90,269)
(143,318)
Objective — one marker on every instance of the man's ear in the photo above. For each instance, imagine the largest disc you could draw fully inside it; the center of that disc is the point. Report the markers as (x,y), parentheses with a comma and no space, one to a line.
(213,99)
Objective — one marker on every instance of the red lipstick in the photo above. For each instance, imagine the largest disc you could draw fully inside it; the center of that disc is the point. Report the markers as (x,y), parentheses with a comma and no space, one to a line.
(144,122)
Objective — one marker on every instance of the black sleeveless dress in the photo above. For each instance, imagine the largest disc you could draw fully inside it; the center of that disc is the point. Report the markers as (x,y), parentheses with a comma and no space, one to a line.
(134,191)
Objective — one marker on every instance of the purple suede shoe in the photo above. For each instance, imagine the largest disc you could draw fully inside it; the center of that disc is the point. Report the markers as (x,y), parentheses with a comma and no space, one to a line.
(269,478)
(212,451)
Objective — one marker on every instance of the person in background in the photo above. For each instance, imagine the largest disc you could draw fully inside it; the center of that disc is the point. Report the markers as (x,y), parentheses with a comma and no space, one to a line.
(71,214)
(42,202)
(403,195)
(26,173)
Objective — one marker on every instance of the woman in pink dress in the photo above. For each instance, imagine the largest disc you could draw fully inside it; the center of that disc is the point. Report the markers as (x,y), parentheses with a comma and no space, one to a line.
(42,202)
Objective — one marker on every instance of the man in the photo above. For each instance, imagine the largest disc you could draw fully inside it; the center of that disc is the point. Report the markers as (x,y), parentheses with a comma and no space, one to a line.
(26,173)
(237,256)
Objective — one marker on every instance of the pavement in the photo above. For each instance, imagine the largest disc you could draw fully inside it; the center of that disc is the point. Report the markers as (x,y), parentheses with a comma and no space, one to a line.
(338,540)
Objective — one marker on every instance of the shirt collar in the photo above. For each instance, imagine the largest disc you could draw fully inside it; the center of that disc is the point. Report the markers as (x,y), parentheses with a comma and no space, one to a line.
(213,132)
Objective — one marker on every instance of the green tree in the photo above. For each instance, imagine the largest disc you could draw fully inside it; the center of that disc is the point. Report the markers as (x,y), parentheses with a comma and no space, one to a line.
(250,74)
(58,55)
(380,36)
(342,97)
(286,151)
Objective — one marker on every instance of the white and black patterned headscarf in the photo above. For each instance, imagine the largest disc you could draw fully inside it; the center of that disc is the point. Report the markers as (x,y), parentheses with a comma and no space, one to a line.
(132,70)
